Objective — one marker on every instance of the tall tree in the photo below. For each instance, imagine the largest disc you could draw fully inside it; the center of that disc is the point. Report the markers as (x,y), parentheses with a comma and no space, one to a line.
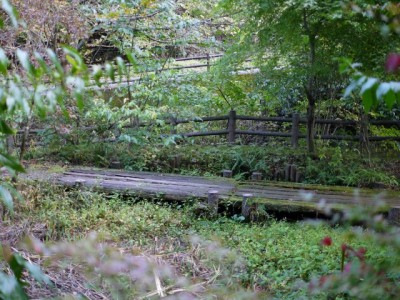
(302,38)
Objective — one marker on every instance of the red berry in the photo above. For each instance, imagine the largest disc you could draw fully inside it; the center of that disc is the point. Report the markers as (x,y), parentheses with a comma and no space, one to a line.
(326,241)
(361,253)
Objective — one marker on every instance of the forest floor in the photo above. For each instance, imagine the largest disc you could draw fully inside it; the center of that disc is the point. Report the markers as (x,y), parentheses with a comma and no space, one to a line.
(88,232)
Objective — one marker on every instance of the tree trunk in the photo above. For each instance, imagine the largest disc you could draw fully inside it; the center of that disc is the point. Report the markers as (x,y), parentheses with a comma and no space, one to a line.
(310,92)
(310,124)
(311,85)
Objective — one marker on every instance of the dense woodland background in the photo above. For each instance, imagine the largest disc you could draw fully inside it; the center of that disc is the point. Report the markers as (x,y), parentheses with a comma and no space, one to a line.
(133,84)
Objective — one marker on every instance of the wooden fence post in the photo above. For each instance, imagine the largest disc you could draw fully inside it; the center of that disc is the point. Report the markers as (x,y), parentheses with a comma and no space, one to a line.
(227,173)
(256,176)
(208,62)
(232,127)
(295,130)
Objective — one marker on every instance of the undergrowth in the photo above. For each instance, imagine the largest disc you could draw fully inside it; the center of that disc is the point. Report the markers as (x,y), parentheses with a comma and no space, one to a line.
(278,257)
(333,165)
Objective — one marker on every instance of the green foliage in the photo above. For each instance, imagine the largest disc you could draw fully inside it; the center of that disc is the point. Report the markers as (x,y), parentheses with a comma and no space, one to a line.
(11,286)
(357,273)
(277,256)
(335,164)
(295,43)
(343,166)
(72,214)
(371,89)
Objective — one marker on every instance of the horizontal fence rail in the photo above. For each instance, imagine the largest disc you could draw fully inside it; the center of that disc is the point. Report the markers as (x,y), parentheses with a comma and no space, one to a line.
(231,131)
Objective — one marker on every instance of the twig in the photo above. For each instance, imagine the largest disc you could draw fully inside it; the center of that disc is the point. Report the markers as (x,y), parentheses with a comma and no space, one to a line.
(160,289)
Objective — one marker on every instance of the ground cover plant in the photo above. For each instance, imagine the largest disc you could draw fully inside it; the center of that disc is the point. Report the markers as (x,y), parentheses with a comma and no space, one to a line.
(270,259)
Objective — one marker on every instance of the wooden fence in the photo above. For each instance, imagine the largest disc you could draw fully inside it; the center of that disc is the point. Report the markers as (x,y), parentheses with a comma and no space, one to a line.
(231,131)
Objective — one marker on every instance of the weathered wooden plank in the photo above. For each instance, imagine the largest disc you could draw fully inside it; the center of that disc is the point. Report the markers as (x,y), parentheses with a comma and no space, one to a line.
(146,175)
(178,187)
(299,195)
(208,185)
(114,183)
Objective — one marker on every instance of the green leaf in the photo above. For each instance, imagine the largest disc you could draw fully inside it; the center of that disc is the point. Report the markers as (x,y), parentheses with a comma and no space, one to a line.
(23,57)
(4,128)
(11,11)
(344,64)
(11,162)
(132,59)
(10,288)
(14,193)
(74,58)
(349,89)
(383,88)
(97,74)
(368,85)
(386,92)
(368,100)
(6,198)
(42,62)
(110,71)
(121,67)
(54,59)
(37,273)
(74,63)
(79,100)
(4,62)
(390,98)
(368,94)
(17,265)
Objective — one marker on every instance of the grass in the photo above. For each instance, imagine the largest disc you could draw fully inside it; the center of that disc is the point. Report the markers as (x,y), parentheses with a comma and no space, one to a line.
(276,257)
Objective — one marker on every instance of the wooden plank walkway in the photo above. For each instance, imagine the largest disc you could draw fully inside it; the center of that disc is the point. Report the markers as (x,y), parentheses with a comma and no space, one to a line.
(178,187)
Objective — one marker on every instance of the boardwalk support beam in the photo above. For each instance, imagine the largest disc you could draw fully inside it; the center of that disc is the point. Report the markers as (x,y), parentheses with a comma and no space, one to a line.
(247,205)
(227,173)
(213,199)
(394,215)
(79,183)
(256,176)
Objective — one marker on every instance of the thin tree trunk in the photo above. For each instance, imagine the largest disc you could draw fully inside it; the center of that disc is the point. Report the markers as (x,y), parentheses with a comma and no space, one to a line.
(310,123)
(310,88)
(25,137)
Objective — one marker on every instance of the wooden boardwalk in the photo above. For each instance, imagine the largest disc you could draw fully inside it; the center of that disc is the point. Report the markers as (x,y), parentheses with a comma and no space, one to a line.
(178,187)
